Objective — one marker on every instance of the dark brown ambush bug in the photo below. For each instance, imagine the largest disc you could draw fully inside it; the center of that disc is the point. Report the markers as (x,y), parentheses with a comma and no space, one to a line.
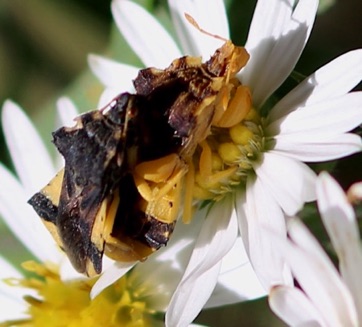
(128,164)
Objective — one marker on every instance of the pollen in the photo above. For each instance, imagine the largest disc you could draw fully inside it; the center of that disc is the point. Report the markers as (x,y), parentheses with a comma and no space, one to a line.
(60,303)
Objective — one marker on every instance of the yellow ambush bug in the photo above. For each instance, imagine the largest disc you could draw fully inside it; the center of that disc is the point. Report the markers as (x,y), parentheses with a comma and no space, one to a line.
(129,167)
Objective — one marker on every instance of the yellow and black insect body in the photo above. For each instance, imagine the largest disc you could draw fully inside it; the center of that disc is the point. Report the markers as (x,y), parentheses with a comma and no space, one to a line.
(120,191)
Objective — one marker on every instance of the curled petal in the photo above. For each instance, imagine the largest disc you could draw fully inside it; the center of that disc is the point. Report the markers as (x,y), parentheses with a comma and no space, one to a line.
(342,227)
(318,277)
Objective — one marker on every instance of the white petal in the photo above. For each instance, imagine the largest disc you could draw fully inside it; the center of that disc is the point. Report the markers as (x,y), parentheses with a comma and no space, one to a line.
(290,182)
(284,51)
(316,148)
(268,23)
(113,74)
(23,221)
(13,310)
(257,213)
(156,281)
(8,271)
(237,280)
(11,292)
(11,297)
(31,160)
(317,276)
(216,238)
(240,201)
(146,36)
(67,271)
(261,41)
(160,274)
(109,276)
(331,81)
(180,246)
(340,222)
(184,308)
(327,118)
(210,16)
(293,307)
(107,96)
(66,111)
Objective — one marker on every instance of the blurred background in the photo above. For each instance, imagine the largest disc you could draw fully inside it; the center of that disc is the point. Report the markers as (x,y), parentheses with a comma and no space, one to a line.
(43,55)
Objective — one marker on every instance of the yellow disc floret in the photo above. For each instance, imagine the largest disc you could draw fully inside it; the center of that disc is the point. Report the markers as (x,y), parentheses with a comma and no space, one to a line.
(60,303)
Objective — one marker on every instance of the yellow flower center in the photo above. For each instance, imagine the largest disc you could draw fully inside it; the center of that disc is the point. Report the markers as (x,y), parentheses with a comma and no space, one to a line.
(225,158)
(67,303)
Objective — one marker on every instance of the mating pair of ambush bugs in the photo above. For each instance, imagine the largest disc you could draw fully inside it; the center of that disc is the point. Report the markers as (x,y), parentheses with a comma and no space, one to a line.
(119,193)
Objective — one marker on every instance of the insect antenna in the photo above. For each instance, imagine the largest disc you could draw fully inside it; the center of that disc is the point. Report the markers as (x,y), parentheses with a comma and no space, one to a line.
(193,22)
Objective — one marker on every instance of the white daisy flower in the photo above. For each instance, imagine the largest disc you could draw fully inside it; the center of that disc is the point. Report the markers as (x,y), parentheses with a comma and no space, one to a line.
(61,294)
(307,125)
(324,296)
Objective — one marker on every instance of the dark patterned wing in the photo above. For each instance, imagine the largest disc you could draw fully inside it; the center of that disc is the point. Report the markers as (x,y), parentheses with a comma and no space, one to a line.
(94,154)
